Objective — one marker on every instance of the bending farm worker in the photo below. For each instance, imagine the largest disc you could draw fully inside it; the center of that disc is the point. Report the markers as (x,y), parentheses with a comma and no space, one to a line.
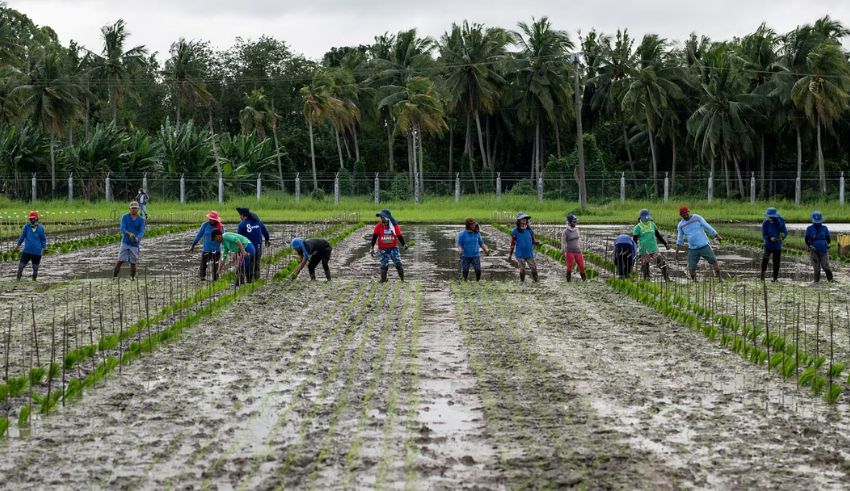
(773,232)
(255,230)
(312,252)
(647,236)
(132,230)
(34,240)
(818,240)
(244,249)
(571,248)
(693,228)
(388,236)
(469,243)
(211,252)
(523,241)
(625,254)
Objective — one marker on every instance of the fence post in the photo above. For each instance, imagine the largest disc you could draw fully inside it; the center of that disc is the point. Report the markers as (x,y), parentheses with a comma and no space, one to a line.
(666,188)
(259,186)
(457,187)
(752,187)
(336,189)
(416,184)
(498,185)
(108,188)
(540,187)
(841,189)
(377,189)
(182,188)
(71,187)
(145,182)
(623,187)
(34,187)
(710,186)
(797,190)
(298,187)
(220,188)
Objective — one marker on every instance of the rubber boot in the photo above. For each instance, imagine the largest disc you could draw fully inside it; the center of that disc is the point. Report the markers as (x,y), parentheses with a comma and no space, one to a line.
(35,271)
(583,276)
(761,276)
(465,275)
(666,273)
(569,276)
(828,275)
(132,271)
(400,270)
(116,270)
(20,270)
(534,275)
(327,272)
(478,275)
(644,271)
(384,274)
(522,276)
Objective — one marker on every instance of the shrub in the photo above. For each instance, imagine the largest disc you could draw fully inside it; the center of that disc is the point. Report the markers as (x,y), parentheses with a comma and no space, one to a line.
(523,187)
(318,194)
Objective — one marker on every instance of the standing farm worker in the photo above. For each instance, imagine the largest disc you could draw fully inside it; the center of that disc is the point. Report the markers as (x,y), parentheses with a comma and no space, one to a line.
(143,199)
(693,228)
(625,253)
(387,235)
(818,240)
(132,230)
(35,243)
(571,248)
(312,252)
(211,253)
(231,242)
(773,232)
(647,236)
(523,241)
(252,227)
(469,243)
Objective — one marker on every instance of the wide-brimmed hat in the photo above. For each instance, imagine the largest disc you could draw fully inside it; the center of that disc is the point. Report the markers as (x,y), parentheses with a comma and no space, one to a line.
(771,213)
(817,216)
(213,215)
(134,204)
(33,214)
(644,215)
(521,215)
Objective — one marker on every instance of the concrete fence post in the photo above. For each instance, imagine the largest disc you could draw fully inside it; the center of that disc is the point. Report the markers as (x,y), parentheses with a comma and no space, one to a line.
(666,188)
(259,186)
(623,187)
(457,187)
(220,188)
(71,187)
(710,186)
(34,187)
(498,185)
(145,182)
(797,190)
(298,187)
(841,189)
(540,188)
(416,186)
(108,188)
(182,188)
(377,189)
(752,187)
(336,188)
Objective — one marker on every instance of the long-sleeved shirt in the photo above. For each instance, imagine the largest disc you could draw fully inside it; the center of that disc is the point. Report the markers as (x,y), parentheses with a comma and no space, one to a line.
(773,229)
(230,243)
(694,229)
(647,236)
(570,238)
(817,236)
(255,230)
(33,238)
(205,232)
(134,226)
(626,240)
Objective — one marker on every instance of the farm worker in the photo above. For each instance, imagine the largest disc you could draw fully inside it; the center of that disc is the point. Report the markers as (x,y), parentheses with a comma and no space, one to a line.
(773,232)
(570,238)
(693,228)
(211,253)
(143,199)
(647,236)
(132,230)
(388,236)
(818,240)
(469,243)
(625,253)
(35,243)
(523,241)
(312,252)
(231,242)
(252,227)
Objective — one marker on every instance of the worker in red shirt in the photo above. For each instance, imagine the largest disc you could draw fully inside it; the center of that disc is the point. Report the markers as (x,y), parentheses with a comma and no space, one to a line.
(388,236)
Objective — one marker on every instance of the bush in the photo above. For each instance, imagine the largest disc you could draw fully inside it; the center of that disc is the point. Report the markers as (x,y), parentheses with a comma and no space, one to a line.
(523,187)
(318,194)
(346,183)
(400,187)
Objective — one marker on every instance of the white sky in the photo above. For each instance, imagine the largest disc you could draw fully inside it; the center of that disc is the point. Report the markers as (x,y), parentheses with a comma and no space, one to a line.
(312,27)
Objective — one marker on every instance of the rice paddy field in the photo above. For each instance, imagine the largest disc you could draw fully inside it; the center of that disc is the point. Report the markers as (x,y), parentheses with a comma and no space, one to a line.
(170,381)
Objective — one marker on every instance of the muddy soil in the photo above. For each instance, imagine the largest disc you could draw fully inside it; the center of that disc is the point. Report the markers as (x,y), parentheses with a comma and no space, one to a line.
(436,384)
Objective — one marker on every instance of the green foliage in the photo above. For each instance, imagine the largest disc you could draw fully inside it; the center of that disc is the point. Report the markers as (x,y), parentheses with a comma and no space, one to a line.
(4,426)
(317,194)
(523,187)
(833,393)
(400,187)
(24,416)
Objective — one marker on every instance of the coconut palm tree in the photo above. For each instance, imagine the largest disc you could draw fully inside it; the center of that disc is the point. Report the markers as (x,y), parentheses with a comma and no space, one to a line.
(342,92)
(185,72)
(114,64)
(318,105)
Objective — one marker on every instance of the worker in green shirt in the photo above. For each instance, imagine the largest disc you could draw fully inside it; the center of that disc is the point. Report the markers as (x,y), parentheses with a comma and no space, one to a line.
(231,242)
(647,236)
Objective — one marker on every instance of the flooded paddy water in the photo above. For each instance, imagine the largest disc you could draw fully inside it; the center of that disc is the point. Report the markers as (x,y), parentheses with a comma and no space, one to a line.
(431,383)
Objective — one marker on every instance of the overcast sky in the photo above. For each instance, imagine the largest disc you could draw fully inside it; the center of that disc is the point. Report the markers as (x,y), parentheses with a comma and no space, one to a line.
(311,27)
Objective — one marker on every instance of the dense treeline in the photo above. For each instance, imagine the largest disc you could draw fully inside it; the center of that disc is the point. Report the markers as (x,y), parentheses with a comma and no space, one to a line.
(478,100)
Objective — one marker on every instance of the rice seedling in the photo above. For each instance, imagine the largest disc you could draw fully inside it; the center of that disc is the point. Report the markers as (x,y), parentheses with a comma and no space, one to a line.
(4,426)
(24,416)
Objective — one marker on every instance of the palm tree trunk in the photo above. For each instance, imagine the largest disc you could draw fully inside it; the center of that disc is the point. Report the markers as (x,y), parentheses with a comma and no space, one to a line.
(761,170)
(411,159)
(557,139)
(313,155)
(390,148)
(725,174)
(356,143)
(472,176)
(536,172)
(345,142)
(738,175)
(654,161)
(481,146)
(467,143)
(114,107)
(673,165)
(821,169)
(52,165)
(488,143)
(277,152)
(178,112)
(451,148)
(799,152)
(629,153)
(339,149)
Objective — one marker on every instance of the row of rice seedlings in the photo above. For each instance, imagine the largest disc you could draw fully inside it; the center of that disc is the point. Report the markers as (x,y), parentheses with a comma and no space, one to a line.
(374,374)
(330,377)
(413,373)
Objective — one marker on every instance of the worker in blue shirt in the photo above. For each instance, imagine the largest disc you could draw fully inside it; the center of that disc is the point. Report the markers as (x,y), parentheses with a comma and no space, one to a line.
(255,230)
(211,253)
(132,230)
(625,255)
(818,240)
(693,228)
(773,232)
(469,243)
(523,241)
(35,243)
